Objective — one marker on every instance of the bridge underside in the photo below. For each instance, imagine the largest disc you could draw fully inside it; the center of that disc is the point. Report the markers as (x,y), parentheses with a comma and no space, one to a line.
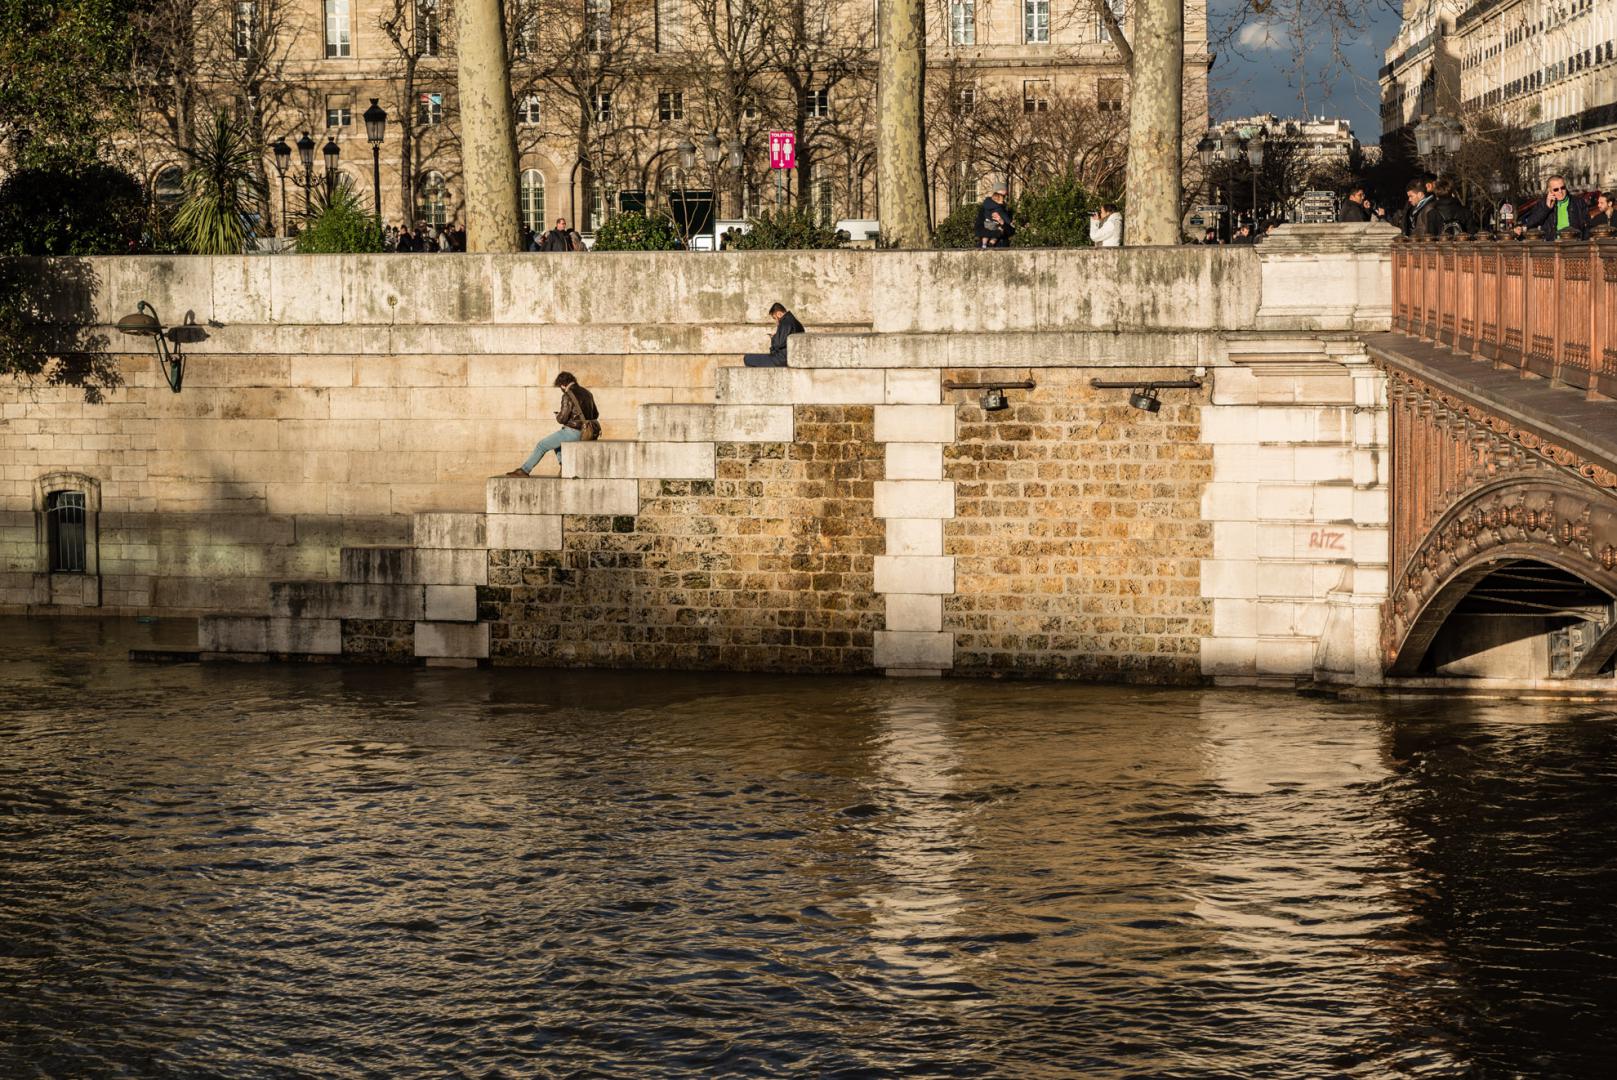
(1503,522)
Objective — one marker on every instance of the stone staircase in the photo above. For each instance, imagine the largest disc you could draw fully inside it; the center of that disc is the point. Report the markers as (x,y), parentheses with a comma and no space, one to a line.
(421,600)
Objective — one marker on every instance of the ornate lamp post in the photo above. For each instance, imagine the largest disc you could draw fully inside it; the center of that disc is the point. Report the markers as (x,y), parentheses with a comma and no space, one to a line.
(1438,140)
(330,152)
(283,158)
(1232,149)
(737,163)
(375,130)
(712,152)
(1206,150)
(1254,158)
(306,155)
(687,161)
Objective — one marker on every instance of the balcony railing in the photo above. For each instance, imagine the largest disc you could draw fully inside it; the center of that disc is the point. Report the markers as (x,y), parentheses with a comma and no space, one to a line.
(1546,309)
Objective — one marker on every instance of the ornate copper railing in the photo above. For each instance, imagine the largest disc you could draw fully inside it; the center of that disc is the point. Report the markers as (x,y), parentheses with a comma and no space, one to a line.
(1542,308)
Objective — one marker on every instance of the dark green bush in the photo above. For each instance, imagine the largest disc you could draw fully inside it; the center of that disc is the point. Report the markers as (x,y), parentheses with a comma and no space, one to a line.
(1055,214)
(959,229)
(788,230)
(94,209)
(343,227)
(635,231)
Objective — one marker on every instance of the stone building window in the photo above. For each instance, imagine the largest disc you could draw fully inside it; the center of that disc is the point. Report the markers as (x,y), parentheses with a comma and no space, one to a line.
(430,110)
(670,24)
(428,29)
(246,27)
(433,202)
(597,24)
(528,109)
(962,22)
(968,100)
(339,111)
(526,32)
(66,508)
(64,532)
(337,40)
(824,192)
(1109,95)
(817,103)
(533,200)
(1036,22)
(603,106)
(1036,95)
(670,105)
(1119,8)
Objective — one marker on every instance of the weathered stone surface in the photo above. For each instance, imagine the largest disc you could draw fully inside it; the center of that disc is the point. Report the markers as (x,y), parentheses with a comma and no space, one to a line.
(527,532)
(305,637)
(415,566)
(639,460)
(914,649)
(337,600)
(545,495)
(716,423)
(915,499)
(448,531)
(233,633)
(451,603)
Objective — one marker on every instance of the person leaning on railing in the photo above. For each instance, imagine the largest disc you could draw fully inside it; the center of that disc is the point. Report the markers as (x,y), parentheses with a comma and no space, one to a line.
(1602,217)
(1557,214)
(1444,214)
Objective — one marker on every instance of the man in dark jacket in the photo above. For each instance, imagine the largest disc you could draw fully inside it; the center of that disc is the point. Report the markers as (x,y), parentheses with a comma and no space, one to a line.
(577,410)
(561,238)
(1445,210)
(1414,215)
(786,325)
(1559,210)
(994,229)
(1356,210)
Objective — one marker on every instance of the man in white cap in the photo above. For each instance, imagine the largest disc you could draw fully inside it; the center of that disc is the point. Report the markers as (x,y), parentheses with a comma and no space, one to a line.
(994,228)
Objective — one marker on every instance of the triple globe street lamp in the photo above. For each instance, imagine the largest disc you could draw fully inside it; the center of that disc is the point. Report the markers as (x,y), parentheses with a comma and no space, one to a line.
(375,130)
(1232,149)
(713,152)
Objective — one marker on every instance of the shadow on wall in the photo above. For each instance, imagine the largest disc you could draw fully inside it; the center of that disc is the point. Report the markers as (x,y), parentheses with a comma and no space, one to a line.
(47,326)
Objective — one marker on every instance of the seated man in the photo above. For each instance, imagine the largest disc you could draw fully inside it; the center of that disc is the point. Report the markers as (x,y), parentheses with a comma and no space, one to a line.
(786,325)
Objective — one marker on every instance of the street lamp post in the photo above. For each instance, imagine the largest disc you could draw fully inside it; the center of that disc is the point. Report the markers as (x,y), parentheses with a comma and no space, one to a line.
(375,130)
(737,163)
(283,158)
(1438,140)
(1231,149)
(1254,157)
(330,152)
(306,155)
(687,162)
(712,152)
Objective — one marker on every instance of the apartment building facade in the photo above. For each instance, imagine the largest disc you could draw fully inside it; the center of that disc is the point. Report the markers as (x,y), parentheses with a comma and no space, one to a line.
(606,91)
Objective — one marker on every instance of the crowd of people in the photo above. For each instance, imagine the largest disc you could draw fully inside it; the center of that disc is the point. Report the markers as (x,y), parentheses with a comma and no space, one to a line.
(426,237)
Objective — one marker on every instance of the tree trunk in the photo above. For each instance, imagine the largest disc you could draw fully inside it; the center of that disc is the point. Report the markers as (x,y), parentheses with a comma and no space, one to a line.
(1155,123)
(900,169)
(488,136)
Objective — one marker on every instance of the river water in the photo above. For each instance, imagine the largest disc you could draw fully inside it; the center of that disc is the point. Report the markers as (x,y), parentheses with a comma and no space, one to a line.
(266,871)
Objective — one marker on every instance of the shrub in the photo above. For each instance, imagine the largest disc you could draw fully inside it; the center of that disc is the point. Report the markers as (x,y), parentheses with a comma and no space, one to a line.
(788,230)
(93,209)
(343,226)
(212,218)
(959,229)
(635,231)
(1055,214)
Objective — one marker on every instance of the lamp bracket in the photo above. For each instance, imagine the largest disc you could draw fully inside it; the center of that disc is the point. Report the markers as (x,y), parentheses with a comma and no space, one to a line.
(1024,384)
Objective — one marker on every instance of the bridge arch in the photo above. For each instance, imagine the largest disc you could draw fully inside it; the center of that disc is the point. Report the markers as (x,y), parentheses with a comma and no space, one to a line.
(1517,578)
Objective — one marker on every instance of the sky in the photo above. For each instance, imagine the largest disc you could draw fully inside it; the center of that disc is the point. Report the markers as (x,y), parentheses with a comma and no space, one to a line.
(1257,75)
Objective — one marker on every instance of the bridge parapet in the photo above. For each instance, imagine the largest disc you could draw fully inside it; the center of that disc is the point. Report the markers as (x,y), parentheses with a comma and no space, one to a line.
(1544,309)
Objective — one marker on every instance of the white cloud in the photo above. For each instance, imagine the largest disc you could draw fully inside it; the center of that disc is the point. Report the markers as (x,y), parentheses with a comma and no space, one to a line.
(1264,36)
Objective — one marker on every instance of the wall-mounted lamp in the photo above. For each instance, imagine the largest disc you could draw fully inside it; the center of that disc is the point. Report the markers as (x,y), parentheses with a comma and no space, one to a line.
(143,322)
(994,399)
(1144,396)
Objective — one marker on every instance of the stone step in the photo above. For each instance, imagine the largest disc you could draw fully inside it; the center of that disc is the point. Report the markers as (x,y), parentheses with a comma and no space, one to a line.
(269,634)
(439,530)
(436,640)
(554,495)
(524,532)
(415,566)
(716,423)
(344,600)
(639,460)
(799,386)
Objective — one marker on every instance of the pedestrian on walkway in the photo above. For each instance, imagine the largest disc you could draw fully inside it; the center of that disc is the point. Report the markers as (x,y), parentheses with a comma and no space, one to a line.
(994,228)
(786,325)
(1445,213)
(1602,217)
(1559,211)
(1106,226)
(561,238)
(578,418)
(1356,210)
(1418,201)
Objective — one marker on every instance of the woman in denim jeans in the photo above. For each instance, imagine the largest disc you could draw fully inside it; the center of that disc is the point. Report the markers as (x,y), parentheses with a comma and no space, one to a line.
(577,406)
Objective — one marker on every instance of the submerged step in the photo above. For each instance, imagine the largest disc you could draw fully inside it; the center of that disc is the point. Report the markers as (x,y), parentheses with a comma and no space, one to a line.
(269,634)
(345,600)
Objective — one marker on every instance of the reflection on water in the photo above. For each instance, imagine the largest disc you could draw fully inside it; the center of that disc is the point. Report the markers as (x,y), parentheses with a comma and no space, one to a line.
(333,872)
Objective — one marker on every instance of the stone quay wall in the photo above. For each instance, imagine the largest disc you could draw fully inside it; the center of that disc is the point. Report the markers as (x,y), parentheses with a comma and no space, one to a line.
(322,473)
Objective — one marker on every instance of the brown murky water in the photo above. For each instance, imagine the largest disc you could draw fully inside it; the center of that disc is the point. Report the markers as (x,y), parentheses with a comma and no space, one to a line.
(344,872)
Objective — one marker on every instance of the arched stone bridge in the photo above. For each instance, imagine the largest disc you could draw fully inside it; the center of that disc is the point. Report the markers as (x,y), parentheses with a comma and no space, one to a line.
(1503,539)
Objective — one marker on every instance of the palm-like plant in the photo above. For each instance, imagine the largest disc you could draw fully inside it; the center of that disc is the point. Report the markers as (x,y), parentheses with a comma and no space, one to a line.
(212,217)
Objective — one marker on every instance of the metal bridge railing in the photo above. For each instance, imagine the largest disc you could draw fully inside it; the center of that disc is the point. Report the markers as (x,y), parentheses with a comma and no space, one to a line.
(1543,308)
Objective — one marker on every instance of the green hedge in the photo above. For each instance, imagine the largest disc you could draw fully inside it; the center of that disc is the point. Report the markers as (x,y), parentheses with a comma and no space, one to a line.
(634,231)
(788,230)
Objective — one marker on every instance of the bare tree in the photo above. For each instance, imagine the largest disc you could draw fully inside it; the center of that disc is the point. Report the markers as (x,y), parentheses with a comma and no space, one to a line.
(417,33)
(817,51)
(166,71)
(726,52)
